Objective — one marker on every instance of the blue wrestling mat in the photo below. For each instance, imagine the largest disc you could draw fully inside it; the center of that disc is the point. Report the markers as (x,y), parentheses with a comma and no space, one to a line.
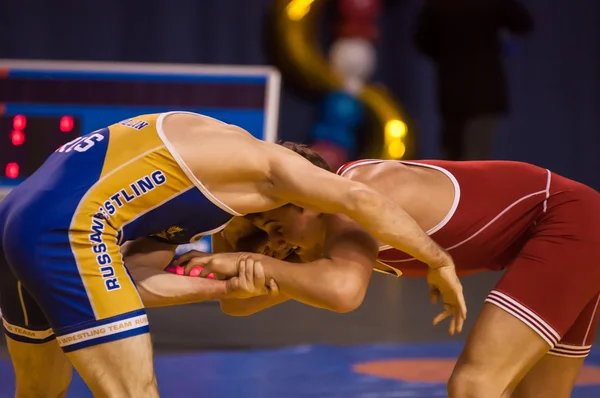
(378,371)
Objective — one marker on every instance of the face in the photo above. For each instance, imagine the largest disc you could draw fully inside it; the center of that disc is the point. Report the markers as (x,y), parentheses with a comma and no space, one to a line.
(290,225)
(244,236)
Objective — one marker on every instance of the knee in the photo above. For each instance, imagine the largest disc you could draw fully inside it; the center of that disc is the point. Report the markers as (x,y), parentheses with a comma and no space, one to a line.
(468,382)
(146,386)
(55,386)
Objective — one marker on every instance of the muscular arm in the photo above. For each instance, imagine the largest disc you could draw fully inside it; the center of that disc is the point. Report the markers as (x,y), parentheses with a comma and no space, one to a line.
(245,307)
(337,282)
(268,175)
(147,258)
(161,289)
(295,180)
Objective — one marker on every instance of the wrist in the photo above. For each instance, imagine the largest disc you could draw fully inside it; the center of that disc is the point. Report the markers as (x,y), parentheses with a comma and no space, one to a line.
(218,290)
(442,259)
(264,261)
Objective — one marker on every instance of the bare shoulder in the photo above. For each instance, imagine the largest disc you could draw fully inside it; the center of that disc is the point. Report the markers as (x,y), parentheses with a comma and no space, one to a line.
(376,174)
(345,236)
(213,149)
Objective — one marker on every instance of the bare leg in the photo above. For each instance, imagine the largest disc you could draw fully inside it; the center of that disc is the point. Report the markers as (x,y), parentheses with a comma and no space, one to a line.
(41,370)
(500,350)
(118,369)
(552,376)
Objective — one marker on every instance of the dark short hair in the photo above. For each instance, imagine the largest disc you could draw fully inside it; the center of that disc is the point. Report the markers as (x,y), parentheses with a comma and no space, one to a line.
(308,153)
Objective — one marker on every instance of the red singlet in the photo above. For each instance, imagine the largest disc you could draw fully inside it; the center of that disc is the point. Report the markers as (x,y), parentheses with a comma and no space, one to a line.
(544,228)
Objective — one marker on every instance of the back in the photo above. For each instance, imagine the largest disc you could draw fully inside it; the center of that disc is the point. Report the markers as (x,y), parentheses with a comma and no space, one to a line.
(121,180)
(495,205)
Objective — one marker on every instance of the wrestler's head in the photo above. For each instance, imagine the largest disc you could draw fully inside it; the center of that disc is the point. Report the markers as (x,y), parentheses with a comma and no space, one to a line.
(301,228)
(244,236)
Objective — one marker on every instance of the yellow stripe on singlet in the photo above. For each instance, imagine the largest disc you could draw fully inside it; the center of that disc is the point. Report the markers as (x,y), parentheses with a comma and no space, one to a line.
(132,156)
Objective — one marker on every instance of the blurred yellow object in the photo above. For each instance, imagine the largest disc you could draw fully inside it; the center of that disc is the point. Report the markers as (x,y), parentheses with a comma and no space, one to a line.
(395,128)
(297,9)
(296,43)
(396,149)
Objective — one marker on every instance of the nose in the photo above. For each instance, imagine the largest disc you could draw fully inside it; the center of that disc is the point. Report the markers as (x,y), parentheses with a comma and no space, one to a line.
(276,240)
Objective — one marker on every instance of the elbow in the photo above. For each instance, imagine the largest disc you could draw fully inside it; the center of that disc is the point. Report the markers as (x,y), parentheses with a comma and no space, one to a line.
(347,295)
(236,310)
(360,199)
(150,300)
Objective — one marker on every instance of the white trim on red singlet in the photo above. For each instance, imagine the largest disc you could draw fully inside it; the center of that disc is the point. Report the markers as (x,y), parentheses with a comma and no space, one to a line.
(184,167)
(448,174)
(570,351)
(525,315)
(546,192)
(592,320)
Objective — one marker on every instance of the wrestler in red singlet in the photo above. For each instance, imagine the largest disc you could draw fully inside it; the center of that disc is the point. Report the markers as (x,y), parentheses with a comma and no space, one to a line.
(543,228)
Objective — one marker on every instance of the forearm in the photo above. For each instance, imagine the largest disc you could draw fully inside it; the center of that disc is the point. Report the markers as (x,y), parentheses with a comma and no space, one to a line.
(159,289)
(245,307)
(320,283)
(389,223)
(147,252)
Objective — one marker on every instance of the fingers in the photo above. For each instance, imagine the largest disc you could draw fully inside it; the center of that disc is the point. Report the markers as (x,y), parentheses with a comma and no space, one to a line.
(441,316)
(243,276)
(188,256)
(457,321)
(460,309)
(274,288)
(196,270)
(453,325)
(460,320)
(196,261)
(462,305)
(249,271)
(207,270)
(259,276)
(234,284)
(434,295)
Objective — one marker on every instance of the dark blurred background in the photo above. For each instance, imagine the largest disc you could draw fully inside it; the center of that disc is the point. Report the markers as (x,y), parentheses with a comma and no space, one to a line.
(554,121)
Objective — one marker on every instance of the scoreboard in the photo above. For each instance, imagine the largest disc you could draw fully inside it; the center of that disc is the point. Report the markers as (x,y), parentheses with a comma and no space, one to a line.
(26,141)
(44,104)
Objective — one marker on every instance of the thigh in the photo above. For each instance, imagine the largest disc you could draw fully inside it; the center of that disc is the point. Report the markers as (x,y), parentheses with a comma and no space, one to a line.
(93,308)
(41,369)
(552,376)
(577,341)
(80,284)
(498,353)
(535,304)
(550,288)
(553,284)
(22,318)
(120,368)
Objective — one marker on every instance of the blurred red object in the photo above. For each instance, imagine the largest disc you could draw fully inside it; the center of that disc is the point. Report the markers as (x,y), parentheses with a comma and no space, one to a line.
(17,137)
(334,154)
(66,124)
(12,170)
(179,270)
(19,122)
(359,18)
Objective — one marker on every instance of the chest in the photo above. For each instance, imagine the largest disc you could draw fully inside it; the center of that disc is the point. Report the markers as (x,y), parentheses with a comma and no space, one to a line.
(183,219)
